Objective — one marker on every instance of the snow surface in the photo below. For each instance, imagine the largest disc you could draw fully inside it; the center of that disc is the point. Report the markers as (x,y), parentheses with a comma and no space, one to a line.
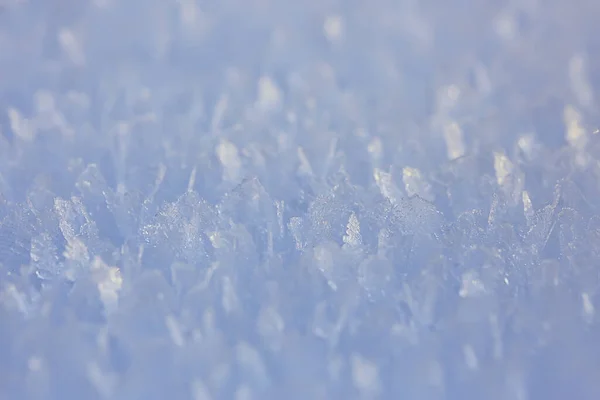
(320,199)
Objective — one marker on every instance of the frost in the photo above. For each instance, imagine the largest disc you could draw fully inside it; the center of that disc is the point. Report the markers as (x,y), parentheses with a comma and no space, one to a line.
(11,297)
(305,167)
(415,184)
(579,80)
(471,285)
(109,283)
(104,383)
(508,177)
(44,256)
(352,237)
(19,125)
(470,357)
(252,364)
(230,301)
(504,168)
(386,185)
(71,46)
(174,331)
(375,149)
(575,134)
(269,94)
(527,207)
(506,26)
(365,376)
(324,258)
(270,326)
(334,28)
(453,136)
(375,275)
(270,200)
(230,159)
(588,307)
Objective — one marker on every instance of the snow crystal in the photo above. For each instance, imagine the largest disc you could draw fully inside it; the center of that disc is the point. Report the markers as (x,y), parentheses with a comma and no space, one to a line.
(470,357)
(69,42)
(19,125)
(365,375)
(352,237)
(109,283)
(580,84)
(271,327)
(453,136)
(415,183)
(334,28)
(588,306)
(328,200)
(471,285)
(229,157)
(269,94)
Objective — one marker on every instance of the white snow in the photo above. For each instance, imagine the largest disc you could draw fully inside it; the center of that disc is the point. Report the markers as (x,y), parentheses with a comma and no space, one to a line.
(315,200)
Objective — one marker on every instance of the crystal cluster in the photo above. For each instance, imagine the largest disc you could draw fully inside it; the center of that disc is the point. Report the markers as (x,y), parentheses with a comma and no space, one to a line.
(309,200)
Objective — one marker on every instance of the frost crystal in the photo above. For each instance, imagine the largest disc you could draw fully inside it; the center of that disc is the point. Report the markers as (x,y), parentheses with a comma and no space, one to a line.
(352,237)
(269,94)
(109,282)
(453,136)
(334,28)
(302,199)
(365,376)
(415,183)
(229,157)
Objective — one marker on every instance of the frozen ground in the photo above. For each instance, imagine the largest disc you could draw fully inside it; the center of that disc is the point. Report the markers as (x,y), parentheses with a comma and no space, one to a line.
(318,199)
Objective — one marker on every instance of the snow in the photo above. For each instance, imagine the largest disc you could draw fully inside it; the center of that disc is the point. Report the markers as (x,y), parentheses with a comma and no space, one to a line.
(310,200)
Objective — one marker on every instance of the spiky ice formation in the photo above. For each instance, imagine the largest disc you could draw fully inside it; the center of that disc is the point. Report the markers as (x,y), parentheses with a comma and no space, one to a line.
(268,200)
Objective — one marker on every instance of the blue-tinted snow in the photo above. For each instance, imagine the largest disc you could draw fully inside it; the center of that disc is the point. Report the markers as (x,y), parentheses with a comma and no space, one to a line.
(310,200)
